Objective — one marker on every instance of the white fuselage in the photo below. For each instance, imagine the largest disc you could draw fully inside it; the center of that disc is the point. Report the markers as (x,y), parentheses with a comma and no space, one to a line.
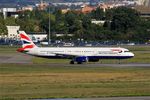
(100,53)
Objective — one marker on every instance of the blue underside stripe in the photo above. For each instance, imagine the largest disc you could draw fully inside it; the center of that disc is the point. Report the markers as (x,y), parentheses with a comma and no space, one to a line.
(91,57)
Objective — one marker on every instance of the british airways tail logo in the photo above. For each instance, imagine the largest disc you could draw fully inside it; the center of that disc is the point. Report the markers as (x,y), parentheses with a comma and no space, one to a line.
(26,47)
(24,37)
(26,42)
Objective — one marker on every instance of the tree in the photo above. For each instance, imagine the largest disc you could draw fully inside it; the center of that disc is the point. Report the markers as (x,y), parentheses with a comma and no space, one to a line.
(10,21)
(97,14)
(142,31)
(121,24)
(124,19)
(78,29)
(60,25)
(29,24)
(109,14)
(3,29)
(86,22)
(71,21)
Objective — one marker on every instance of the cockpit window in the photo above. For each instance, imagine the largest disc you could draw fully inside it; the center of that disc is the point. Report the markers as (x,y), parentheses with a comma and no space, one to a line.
(126,51)
(120,51)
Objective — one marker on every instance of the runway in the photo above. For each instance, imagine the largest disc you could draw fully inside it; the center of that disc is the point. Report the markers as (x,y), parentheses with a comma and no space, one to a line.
(19,58)
(16,58)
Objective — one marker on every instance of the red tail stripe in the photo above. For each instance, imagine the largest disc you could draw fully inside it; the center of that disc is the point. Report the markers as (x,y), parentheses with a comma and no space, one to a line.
(28,46)
(20,50)
(24,37)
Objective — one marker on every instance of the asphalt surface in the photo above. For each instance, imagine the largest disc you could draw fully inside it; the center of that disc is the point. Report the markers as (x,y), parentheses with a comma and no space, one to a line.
(15,58)
(109,98)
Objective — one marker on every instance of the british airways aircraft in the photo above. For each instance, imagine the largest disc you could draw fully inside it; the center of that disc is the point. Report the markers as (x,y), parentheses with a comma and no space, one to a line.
(76,54)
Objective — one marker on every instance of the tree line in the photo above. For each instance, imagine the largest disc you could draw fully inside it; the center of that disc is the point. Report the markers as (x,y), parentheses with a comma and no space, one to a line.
(121,23)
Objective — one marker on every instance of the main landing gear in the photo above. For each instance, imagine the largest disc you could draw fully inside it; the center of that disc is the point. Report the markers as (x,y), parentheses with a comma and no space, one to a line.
(73,62)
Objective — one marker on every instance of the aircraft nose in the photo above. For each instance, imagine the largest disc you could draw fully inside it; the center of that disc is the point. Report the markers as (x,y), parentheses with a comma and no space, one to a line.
(131,54)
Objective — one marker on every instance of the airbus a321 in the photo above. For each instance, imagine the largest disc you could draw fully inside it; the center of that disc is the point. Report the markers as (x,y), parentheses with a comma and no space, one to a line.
(77,55)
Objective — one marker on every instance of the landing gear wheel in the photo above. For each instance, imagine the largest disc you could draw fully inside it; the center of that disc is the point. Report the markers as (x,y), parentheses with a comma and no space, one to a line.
(79,62)
(71,62)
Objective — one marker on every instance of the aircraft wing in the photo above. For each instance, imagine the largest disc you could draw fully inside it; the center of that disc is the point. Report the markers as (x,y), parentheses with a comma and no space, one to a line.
(72,54)
(77,58)
(67,55)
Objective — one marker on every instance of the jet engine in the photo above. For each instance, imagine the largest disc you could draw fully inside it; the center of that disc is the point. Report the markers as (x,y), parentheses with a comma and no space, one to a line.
(81,59)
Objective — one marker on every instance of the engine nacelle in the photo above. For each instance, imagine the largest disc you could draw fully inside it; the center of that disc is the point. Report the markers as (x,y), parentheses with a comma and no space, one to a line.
(81,59)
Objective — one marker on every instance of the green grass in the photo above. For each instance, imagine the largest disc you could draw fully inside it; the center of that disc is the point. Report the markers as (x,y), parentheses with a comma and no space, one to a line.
(41,80)
(8,49)
(28,81)
(138,48)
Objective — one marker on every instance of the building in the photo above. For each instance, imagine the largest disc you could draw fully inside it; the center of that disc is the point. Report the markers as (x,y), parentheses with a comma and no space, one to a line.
(144,11)
(140,2)
(70,3)
(106,6)
(42,5)
(143,2)
(37,36)
(12,32)
(7,12)
(27,8)
(98,22)
(87,9)
(147,3)
(65,10)
(61,34)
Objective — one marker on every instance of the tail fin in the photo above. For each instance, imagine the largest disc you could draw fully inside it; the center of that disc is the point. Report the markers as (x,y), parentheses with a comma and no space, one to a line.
(27,43)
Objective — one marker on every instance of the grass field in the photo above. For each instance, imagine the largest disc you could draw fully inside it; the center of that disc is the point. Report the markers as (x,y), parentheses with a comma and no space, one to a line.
(19,82)
(8,49)
(42,80)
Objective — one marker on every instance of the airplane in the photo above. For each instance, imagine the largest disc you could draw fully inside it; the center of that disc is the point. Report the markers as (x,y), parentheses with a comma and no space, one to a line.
(77,55)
